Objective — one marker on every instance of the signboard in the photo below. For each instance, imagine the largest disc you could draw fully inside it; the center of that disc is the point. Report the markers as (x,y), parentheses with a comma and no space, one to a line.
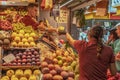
(63,16)
(9,58)
(114,16)
(115,3)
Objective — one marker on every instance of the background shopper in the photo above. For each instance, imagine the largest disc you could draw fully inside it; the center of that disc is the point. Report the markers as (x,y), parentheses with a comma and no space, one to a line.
(94,56)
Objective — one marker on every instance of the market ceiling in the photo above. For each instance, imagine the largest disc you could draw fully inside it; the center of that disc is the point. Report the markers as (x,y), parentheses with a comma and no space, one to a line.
(77,4)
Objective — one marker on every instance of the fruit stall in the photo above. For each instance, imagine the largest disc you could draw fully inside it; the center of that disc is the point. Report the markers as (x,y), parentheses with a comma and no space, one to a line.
(26,54)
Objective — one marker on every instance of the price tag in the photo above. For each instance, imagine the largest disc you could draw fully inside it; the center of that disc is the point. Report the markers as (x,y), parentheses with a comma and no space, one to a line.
(9,58)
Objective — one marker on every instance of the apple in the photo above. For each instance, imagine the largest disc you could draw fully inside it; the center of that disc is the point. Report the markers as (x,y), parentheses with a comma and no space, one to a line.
(28,64)
(29,57)
(15,61)
(20,53)
(33,59)
(14,44)
(18,64)
(25,53)
(32,44)
(32,50)
(37,60)
(20,44)
(5,64)
(17,57)
(35,52)
(19,61)
(17,39)
(24,60)
(23,64)
(30,39)
(24,40)
(27,50)
(14,64)
(33,56)
(24,57)
(33,63)
(27,35)
(22,31)
(29,53)
(32,34)
(37,56)
(38,63)
(29,60)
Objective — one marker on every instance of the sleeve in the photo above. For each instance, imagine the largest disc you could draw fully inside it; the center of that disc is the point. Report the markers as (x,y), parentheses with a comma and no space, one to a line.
(78,44)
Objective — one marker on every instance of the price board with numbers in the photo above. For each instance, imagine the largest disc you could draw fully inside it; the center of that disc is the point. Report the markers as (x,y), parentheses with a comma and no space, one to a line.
(63,16)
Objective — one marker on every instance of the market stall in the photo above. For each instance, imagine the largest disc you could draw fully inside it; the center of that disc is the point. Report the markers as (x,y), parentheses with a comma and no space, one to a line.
(28,54)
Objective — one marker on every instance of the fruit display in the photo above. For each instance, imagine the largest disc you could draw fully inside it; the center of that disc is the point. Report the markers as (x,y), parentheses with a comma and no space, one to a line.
(5,25)
(28,57)
(22,74)
(4,38)
(23,36)
(60,65)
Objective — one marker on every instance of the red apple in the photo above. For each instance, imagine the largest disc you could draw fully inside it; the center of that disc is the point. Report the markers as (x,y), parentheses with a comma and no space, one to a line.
(33,63)
(33,59)
(19,61)
(33,56)
(35,52)
(28,64)
(29,60)
(23,64)
(24,57)
(17,57)
(37,60)
(15,61)
(18,64)
(29,53)
(29,57)
(37,56)
(24,53)
(14,64)
(20,54)
(24,60)
(38,63)
(4,64)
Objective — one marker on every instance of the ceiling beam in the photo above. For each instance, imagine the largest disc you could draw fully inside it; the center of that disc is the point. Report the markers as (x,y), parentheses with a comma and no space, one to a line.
(85,4)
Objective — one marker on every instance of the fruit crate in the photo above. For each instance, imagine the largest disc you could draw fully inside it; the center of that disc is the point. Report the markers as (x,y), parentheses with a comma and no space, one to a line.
(20,57)
(21,74)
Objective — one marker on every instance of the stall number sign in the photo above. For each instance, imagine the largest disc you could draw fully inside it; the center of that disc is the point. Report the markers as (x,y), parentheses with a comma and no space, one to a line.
(9,58)
(63,16)
(115,2)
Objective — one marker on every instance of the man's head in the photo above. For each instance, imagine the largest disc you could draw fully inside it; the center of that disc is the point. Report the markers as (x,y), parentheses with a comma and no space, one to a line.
(32,9)
(118,29)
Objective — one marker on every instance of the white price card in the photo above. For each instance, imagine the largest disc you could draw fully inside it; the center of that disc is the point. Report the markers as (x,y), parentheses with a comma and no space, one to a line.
(9,58)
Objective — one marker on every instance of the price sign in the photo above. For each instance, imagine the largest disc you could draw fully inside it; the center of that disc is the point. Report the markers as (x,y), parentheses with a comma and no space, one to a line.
(9,58)
(115,2)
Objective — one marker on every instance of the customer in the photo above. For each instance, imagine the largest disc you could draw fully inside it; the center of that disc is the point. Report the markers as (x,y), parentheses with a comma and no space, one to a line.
(112,38)
(94,56)
(117,48)
(30,18)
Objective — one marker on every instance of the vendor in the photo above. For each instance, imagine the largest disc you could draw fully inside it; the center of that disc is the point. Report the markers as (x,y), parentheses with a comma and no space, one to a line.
(30,18)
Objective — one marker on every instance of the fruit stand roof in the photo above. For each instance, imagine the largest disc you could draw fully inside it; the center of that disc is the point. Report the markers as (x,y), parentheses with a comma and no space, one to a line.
(77,4)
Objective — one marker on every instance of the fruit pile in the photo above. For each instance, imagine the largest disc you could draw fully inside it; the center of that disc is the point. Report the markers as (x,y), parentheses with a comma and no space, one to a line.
(23,36)
(20,74)
(26,57)
(4,38)
(5,25)
(60,65)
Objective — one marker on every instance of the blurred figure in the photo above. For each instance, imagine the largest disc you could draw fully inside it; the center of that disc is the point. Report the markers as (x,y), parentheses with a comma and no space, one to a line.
(112,38)
(117,48)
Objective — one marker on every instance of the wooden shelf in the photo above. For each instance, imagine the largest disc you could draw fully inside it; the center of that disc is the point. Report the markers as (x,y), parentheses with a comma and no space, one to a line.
(20,67)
